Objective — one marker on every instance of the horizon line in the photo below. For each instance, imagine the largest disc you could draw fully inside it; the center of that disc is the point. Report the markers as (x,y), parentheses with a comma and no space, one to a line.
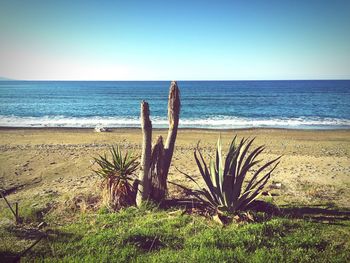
(159,80)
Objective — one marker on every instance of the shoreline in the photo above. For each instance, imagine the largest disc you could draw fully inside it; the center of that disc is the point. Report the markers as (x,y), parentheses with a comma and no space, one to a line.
(9,128)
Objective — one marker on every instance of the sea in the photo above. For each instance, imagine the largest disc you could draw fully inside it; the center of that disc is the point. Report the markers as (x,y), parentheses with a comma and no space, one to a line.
(311,104)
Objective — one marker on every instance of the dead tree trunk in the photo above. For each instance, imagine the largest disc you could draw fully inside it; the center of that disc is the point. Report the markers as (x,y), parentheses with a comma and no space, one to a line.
(158,177)
(155,164)
(144,187)
(162,155)
(173,116)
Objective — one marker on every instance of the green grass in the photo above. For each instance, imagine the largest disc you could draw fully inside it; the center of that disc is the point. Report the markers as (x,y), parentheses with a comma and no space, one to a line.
(154,235)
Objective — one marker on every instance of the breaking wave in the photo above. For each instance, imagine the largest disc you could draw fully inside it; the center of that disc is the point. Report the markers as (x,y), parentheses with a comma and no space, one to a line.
(218,122)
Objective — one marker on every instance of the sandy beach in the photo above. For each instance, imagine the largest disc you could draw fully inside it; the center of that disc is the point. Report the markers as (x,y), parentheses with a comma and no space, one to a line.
(57,163)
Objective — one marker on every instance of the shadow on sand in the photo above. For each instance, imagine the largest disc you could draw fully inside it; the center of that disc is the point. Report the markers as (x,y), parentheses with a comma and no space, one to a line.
(317,213)
(34,237)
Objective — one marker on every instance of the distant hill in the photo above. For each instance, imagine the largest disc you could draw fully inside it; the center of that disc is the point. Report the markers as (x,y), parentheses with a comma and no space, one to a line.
(5,79)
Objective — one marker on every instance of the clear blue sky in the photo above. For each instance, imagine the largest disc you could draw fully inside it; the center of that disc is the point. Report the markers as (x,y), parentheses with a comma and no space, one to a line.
(183,40)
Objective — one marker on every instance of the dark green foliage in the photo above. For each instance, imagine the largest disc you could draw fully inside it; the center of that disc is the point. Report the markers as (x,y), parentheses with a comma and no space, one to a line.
(122,167)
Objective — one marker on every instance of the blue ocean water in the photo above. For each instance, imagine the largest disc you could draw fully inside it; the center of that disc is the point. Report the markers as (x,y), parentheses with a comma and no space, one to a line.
(205,104)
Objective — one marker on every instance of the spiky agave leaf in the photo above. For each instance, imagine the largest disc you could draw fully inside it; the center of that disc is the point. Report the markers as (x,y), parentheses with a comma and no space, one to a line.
(224,179)
(201,193)
(203,168)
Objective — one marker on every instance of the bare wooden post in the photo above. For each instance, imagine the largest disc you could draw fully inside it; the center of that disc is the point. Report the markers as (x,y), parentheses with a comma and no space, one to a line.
(144,186)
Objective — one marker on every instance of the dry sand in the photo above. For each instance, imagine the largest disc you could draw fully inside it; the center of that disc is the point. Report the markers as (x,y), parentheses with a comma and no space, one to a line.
(56,163)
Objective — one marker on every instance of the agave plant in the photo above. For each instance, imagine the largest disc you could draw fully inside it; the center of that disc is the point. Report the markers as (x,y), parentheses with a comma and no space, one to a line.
(226,189)
(118,175)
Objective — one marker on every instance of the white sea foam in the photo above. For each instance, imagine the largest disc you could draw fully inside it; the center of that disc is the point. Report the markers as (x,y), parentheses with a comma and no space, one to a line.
(219,122)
